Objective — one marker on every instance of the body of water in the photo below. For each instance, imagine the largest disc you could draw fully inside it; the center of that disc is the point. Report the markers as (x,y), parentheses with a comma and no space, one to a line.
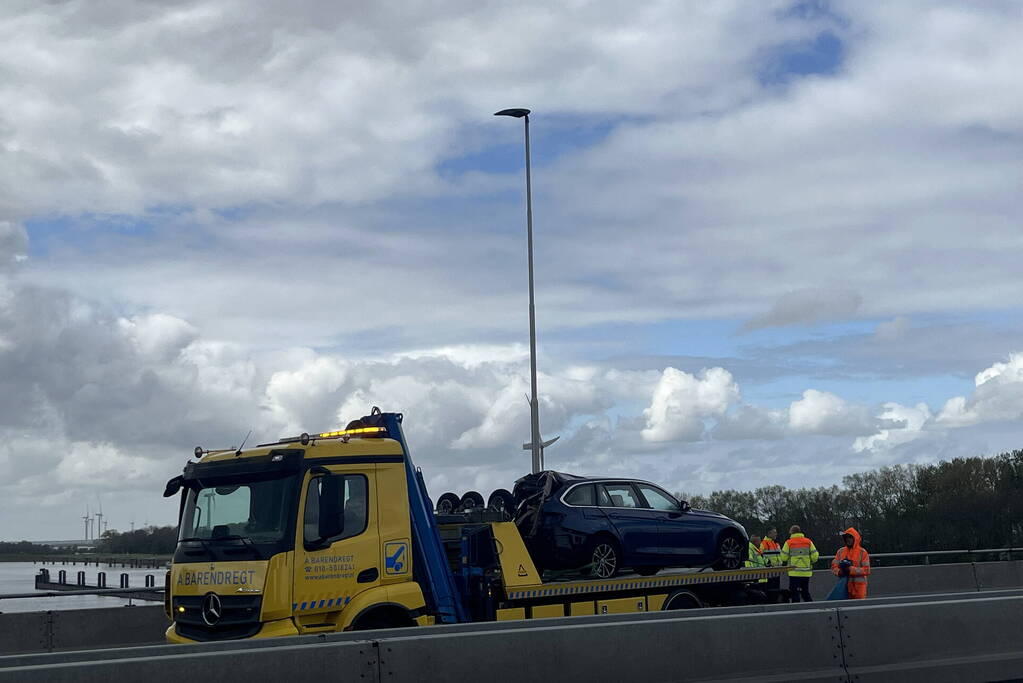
(19,577)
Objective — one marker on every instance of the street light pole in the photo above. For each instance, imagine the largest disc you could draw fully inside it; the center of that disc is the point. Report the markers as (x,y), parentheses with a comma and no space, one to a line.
(535,444)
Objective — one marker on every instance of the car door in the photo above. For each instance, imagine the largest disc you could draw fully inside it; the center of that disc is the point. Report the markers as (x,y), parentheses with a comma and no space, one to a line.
(637,526)
(683,537)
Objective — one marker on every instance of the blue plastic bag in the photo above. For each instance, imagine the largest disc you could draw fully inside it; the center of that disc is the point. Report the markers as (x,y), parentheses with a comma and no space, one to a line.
(840,591)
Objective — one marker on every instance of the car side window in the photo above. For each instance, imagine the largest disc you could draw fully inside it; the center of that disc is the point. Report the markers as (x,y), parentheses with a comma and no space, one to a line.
(581,495)
(355,502)
(657,499)
(622,495)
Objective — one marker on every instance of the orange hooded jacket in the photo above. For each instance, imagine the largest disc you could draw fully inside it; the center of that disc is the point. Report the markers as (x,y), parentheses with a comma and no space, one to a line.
(860,558)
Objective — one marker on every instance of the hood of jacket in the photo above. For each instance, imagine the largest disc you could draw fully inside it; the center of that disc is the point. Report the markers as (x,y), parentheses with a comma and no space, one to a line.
(856,538)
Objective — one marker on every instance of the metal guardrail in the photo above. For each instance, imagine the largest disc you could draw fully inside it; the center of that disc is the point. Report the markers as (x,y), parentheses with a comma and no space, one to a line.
(927,554)
(90,591)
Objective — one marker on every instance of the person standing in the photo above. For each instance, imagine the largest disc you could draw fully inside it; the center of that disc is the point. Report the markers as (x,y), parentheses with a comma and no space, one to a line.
(771,550)
(853,562)
(755,558)
(800,553)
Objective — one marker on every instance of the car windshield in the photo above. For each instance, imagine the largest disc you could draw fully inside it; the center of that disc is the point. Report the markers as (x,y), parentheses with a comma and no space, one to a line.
(258,511)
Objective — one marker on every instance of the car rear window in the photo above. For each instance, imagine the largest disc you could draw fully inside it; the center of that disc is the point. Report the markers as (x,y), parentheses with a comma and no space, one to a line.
(581,495)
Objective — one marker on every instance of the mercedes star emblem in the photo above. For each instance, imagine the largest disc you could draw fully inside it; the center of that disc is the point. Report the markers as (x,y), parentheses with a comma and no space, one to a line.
(211,609)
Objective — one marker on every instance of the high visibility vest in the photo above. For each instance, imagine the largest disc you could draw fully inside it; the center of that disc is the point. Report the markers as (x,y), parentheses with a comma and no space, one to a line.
(800,553)
(859,570)
(771,550)
(755,560)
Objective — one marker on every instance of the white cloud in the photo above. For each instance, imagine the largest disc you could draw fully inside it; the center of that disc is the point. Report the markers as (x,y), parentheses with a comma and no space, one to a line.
(907,422)
(821,412)
(998,396)
(682,401)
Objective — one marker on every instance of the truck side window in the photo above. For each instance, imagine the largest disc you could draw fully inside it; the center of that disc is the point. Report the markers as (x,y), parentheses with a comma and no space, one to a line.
(355,504)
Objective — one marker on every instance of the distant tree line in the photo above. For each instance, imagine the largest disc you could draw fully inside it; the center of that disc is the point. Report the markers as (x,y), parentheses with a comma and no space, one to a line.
(968,503)
(25,548)
(154,540)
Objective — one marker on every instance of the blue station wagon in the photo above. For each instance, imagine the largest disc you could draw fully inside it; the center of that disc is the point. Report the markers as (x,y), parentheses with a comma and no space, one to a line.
(608,524)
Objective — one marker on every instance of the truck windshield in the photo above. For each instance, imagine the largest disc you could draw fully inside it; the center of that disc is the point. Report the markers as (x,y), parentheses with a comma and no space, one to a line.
(256,511)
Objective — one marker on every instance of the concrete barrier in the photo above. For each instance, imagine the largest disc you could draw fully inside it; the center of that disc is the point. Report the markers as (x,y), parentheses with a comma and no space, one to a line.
(350,661)
(80,629)
(24,632)
(963,640)
(709,648)
(993,575)
(920,579)
(969,637)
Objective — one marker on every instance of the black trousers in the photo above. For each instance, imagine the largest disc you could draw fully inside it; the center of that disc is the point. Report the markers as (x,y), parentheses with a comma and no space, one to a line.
(800,588)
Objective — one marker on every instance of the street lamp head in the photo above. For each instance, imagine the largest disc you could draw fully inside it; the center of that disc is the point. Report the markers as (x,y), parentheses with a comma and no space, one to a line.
(517,113)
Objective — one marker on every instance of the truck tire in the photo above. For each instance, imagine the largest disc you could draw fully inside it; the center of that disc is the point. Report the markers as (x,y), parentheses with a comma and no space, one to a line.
(447,504)
(605,557)
(682,599)
(730,551)
(501,500)
(471,501)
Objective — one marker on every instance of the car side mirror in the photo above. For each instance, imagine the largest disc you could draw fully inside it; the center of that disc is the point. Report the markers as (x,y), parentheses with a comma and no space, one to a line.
(332,512)
(684,506)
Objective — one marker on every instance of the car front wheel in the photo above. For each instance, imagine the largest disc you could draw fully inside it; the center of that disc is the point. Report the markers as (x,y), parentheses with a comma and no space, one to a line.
(605,558)
(729,552)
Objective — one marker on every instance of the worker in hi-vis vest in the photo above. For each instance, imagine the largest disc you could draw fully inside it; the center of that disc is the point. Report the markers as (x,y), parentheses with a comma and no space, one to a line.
(772,552)
(755,558)
(800,553)
(853,562)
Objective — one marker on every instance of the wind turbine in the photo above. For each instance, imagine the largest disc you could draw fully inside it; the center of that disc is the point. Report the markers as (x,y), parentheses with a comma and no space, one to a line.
(87,519)
(99,516)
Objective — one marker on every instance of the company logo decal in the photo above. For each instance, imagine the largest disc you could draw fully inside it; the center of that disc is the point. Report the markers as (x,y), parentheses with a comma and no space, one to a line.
(396,558)
(212,609)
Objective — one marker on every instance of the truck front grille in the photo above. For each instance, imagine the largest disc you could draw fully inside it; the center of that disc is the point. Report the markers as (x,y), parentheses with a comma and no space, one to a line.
(239,617)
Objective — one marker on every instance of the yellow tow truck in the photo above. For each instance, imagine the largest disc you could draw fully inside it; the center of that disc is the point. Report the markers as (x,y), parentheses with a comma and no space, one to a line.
(335,532)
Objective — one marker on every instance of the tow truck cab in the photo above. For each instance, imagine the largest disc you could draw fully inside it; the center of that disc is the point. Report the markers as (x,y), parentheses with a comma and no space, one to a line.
(300,536)
(335,531)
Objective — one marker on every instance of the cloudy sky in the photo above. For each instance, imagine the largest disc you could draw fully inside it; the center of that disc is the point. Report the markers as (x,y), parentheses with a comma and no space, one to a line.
(776,242)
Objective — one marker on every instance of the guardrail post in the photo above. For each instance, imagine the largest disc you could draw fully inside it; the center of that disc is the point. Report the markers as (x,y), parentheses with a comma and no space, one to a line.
(81,579)
(150,581)
(124,580)
(101,580)
(62,576)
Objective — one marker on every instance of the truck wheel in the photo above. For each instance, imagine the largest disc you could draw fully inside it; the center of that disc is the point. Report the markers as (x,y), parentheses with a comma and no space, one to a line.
(501,500)
(604,557)
(729,551)
(470,501)
(682,599)
(447,504)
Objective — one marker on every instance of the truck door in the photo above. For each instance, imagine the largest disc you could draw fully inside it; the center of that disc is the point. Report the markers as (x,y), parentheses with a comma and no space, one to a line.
(330,572)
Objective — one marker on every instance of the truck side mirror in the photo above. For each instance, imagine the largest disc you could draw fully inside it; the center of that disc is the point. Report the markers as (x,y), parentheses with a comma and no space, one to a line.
(173,486)
(332,512)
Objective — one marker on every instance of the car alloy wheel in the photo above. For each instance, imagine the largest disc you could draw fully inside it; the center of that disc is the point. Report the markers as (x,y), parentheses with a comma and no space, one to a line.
(730,552)
(605,560)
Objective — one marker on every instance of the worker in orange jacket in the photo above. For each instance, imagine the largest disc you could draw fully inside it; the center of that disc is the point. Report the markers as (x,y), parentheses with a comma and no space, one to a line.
(771,551)
(853,562)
